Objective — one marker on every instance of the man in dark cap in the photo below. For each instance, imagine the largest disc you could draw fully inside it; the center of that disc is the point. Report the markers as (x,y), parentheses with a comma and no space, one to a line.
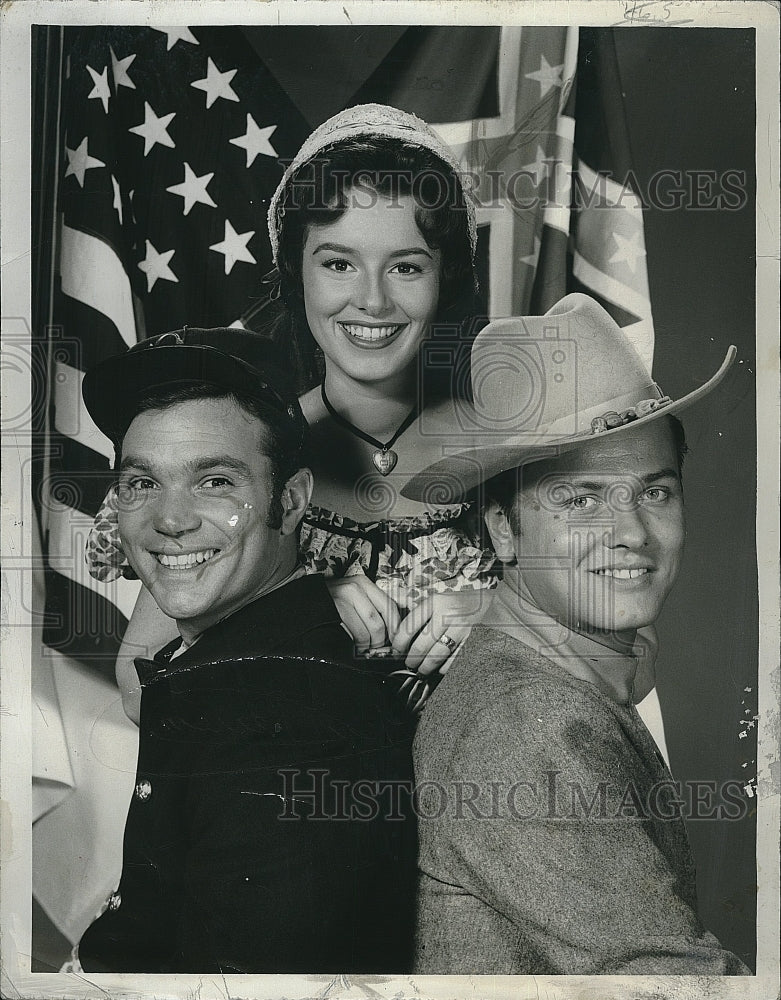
(246,846)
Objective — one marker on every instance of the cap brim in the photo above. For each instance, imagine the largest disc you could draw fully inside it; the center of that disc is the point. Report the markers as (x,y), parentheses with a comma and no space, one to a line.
(454,478)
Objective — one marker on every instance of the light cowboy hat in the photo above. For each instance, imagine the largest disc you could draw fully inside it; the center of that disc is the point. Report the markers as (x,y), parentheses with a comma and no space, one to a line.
(543,385)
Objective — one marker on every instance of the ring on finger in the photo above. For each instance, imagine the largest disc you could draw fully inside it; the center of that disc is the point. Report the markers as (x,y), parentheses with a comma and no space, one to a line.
(448,641)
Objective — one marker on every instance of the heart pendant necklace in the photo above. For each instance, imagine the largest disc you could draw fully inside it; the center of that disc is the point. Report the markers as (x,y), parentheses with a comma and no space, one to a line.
(384,458)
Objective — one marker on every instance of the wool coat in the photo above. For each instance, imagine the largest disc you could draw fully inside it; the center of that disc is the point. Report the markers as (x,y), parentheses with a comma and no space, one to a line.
(551,836)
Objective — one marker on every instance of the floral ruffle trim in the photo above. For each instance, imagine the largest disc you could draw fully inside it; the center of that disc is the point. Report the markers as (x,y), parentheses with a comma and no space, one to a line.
(409,557)
(106,559)
(423,523)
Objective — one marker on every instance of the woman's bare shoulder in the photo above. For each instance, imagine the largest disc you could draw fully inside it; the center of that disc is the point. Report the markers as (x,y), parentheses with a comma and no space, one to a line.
(312,406)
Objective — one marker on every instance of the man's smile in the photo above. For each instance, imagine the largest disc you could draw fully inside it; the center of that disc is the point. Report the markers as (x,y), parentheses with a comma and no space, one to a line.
(622,574)
(184,560)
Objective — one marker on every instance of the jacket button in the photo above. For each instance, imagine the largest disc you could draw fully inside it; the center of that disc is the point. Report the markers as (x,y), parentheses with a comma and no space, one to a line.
(114,901)
(143,790)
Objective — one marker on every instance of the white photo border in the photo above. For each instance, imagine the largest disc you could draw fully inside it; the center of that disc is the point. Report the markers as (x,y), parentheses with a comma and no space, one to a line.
(15,709)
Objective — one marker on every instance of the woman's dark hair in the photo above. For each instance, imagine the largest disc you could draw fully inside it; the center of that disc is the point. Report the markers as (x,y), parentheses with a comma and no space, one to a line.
(317,194)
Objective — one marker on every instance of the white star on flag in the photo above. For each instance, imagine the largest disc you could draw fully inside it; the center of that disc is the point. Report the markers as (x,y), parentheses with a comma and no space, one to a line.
(628,251)
(547,76)
(255,140)
(101,89)
(119,68)
(155,265)
(534,256)
(154,130)
(79,161)
(234,247)
(216,84)
(193,189)
(117,202)
(539,167)
(178,35)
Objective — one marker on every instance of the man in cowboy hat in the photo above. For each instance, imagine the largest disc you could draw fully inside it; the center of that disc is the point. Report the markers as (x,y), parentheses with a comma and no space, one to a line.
(551,839)
(242,852)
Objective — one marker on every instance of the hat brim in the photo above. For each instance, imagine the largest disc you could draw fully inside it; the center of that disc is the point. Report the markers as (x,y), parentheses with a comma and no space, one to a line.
(452,479)
(112,388)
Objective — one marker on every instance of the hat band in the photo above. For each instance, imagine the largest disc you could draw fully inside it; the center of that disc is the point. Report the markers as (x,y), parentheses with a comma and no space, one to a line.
(481,423)
(611,419)
(590,419)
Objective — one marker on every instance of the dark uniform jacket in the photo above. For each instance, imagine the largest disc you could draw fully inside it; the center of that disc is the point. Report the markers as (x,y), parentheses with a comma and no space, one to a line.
(269,830)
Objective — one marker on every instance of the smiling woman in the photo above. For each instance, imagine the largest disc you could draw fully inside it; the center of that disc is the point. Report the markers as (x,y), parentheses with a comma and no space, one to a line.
(373,238)
(371,286)
(338,187)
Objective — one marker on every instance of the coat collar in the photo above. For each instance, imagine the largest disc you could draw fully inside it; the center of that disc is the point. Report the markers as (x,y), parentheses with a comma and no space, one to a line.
(579,655)
(262,627)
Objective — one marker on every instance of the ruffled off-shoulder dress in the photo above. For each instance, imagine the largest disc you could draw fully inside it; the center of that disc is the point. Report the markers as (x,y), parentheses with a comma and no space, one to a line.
(409,558)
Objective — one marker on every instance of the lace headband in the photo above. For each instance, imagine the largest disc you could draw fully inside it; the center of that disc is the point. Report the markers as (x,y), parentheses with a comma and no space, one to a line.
(365,120)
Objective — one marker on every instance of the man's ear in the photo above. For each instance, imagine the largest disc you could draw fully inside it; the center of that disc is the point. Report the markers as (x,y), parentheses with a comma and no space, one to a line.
(295,499)
(500,531)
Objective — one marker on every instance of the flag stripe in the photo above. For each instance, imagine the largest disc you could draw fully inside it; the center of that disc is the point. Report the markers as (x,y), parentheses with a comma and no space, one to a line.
(86,336)
(69,530)
(463,132)
(606,190)
(70,414)
(92,273)
(81,478)
(621,316)
(620,294)
(611,288)
(557,211)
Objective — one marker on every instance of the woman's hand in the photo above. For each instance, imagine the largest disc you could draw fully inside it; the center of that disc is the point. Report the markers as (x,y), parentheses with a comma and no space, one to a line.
(370,616)
(418,638)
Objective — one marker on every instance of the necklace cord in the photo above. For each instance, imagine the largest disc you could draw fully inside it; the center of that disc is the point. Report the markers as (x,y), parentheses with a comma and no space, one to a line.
(348,426)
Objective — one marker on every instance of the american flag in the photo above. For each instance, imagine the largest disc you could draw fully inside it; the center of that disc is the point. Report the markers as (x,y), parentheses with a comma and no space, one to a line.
(171,142)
